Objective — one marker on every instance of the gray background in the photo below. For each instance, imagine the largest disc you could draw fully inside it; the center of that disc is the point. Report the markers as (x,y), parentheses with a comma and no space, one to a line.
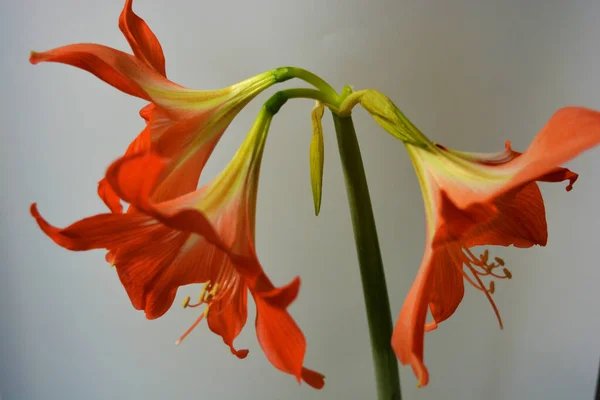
(471,74)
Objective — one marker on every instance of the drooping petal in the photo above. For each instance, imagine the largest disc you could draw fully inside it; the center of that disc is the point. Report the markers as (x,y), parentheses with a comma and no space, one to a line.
(227,317)
(408,335)
(447,287)
(142,40)
(283,342)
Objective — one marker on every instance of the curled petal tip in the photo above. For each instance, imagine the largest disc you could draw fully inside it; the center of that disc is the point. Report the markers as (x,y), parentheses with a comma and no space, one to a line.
(313,378)
(241,354)
(34,57)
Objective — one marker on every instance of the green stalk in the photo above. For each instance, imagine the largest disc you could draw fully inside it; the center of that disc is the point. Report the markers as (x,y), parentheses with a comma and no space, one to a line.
(277,100)
(329,93)
(369,258)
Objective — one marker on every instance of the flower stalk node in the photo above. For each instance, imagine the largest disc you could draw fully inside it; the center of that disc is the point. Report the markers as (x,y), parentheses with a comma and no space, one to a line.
(275,102)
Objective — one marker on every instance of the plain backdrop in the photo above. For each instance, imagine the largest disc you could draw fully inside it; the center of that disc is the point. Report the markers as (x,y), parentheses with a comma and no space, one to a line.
(471,74)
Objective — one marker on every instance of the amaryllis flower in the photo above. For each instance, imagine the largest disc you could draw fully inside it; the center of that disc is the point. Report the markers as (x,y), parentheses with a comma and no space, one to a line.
(475,199)
(197,118)
(203,236)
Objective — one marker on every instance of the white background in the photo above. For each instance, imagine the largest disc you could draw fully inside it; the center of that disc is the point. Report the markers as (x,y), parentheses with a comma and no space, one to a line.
(471,74)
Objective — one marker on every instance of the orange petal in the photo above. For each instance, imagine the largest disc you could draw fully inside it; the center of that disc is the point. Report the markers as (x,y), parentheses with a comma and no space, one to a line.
(142,40)
(97,232)
(454,222)
(408,335)
(447,287)
(569,132)
(188,147)
(521,221)
(114,67)
(109,197)
(559,175)
(280,297)
(227,317)
(140,144)
(282,341)
(313,378)
(134,177)
(152,260)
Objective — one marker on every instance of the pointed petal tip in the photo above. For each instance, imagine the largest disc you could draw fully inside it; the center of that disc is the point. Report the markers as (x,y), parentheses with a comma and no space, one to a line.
(422,374)
(48,229)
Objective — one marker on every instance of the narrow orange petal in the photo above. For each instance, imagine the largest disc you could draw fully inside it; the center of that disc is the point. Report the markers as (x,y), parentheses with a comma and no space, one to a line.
(569,132)
(114,67)
(109,197)
(97,232)
(408,335)
(142,40)
(447,287)
(282,340)
(227,317)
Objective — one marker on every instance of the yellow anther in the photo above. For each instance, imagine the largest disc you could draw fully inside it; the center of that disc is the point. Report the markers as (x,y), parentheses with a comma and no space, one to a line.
(208,296)
(507,273)
(186,302)
(499,261)
(492,287)
(203,292)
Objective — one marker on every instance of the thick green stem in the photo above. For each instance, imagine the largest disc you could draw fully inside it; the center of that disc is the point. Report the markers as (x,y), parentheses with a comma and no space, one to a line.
(369,259)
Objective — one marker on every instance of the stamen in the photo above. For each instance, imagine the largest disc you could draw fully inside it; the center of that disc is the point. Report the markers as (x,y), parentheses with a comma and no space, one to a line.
(481,266)
(191,328)
(484,256)
(207,295)
(203,291)
(489,297)
(468,278)
(210,295)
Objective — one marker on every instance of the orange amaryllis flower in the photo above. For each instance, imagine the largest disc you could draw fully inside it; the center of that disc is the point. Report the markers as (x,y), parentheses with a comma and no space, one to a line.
(183,125)
(203,236)
(474,199)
